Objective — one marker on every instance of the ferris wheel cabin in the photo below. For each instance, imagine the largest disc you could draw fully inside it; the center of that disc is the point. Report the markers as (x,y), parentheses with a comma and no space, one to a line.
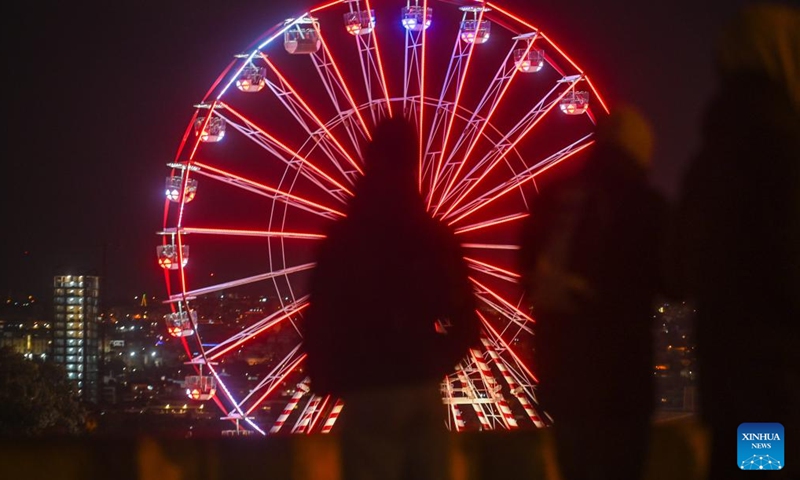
(214,130)
(529,60)
(575,102)
(360,22)
(200,387)
(415,18)
(181,324)
(168,256)
(302,38)
(251,79)
(174,186)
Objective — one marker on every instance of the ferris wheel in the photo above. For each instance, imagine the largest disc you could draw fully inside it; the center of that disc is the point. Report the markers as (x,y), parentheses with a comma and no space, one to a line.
(270,157)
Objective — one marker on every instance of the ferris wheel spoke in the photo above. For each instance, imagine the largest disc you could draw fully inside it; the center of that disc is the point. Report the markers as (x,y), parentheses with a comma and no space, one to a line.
(460,73)
(287,155)
(339,93)
(478,122)
(240,282)
(267,191)
(414,59)
(244,233)
(517,180)
(369,56)
(445,110)
(509,142)
(506,347)
(502,306)
(490,246)
(305,116)
(236,414)
(490,223)
(273,379)
(493,270)
(521,390)
(254,330)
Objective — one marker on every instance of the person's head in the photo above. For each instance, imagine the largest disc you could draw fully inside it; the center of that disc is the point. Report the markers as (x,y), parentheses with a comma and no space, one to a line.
(392,152)
(626,128)
(763,38)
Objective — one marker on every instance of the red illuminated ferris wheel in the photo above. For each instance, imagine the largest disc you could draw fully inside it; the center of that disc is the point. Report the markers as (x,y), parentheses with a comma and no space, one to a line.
(270,158)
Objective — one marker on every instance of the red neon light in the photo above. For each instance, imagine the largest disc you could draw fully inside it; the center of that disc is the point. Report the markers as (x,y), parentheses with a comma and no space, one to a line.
(490,223)
(344,85)
(504,153)
(384,85)
(275,384)
(490,246)
(516,184)
(445,141)
(493,267)
(269,189)
(597,95)
(422,98)
(320,123)
(502,300)
(561,160)
(477,136)
(256,333)
(292,152)
(252,233)
(507,347)
(329,4)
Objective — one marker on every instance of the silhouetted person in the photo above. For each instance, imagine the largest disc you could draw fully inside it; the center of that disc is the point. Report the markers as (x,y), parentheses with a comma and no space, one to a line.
(590,259)
(384,276)
(740,236)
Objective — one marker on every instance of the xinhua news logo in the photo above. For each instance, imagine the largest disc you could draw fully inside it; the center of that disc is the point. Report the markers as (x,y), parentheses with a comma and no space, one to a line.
(760,446)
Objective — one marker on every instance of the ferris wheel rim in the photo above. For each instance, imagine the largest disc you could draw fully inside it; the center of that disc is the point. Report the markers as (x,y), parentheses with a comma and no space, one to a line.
(184,295)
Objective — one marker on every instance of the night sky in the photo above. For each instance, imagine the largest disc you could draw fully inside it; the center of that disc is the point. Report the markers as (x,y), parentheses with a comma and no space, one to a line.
(99,94)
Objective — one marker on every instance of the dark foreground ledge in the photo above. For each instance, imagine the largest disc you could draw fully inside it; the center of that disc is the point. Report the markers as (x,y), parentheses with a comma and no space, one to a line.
(678,450)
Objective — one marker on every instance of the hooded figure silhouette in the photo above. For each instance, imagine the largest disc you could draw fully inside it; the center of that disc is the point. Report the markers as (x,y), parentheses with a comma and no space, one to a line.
(385,275)
(591,267)
(739,236)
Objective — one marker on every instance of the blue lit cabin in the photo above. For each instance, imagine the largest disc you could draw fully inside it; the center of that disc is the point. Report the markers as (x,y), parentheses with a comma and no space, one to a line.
(415,19)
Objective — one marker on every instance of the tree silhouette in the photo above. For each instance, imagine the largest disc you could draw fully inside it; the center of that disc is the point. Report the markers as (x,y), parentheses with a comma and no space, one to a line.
(36,398)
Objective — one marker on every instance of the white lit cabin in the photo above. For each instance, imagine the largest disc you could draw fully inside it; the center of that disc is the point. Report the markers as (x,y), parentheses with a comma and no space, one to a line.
(251,79)
(529,61)
(415,18)
(575,102)
(174,186)
(360,22)
(214,130)
(168,256)
(181,324)
(301,39)
(476,32)
(200,387)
